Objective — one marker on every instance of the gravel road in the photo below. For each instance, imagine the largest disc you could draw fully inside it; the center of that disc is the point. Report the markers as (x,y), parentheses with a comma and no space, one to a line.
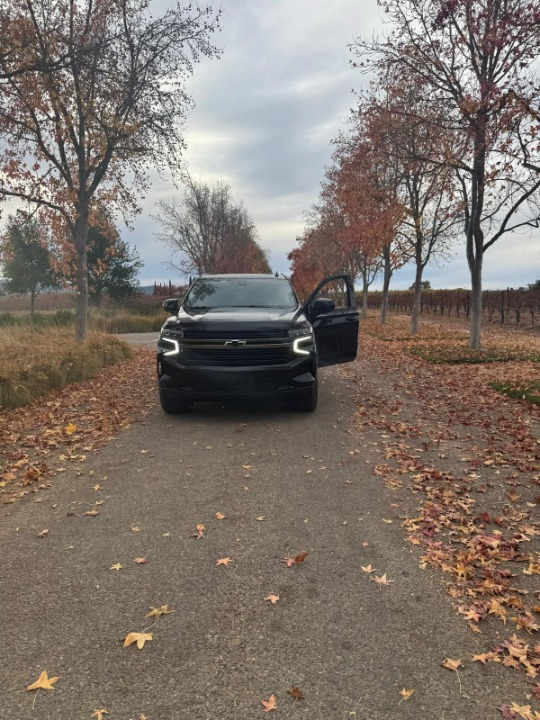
(286,484)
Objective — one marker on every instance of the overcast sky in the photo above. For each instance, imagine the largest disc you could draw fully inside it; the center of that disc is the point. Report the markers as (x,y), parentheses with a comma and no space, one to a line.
(265,115)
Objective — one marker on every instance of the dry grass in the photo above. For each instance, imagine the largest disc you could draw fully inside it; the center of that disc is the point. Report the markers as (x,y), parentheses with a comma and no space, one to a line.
(34,361)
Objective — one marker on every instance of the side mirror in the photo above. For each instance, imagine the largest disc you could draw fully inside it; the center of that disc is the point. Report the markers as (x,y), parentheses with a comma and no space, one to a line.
(171,306)
(321,306)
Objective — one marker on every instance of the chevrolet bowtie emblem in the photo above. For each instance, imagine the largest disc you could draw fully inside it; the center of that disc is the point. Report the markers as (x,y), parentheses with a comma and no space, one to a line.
(235,343)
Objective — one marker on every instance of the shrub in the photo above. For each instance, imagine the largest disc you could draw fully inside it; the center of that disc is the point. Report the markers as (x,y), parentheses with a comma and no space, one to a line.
(38,360)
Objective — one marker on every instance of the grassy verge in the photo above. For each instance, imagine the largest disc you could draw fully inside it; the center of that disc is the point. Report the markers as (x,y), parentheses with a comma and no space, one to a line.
(458,352)
(105,321)
(35,361)
(529,391)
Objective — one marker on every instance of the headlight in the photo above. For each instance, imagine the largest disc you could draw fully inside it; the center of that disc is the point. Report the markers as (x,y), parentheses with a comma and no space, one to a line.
(301,330)
(173,329)
(303,345)
(174,346)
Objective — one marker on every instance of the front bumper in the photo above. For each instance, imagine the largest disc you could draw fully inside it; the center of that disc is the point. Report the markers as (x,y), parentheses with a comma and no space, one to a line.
(189,383)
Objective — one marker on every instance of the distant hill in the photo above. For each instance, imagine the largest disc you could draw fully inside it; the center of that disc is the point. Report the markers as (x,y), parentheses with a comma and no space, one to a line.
(146,289)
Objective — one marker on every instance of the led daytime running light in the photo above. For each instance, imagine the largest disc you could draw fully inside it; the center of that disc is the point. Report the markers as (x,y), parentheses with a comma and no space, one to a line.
(176,348)
(296,344)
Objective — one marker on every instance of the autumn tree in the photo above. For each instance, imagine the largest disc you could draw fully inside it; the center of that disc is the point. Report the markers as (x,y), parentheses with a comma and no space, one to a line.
(209,232)
(105,103)
(474,58)
(25,259)
(366,182)
(425,186)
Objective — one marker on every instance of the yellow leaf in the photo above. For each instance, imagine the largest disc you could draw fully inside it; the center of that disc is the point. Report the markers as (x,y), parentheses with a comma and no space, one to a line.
(273,598)
(387,522)
(220,516)
(44,682)
(137,637)
(158,612)
(98,714)
(70,429)
(224,561)
(116,566)
(367,568)
(139,560)
(92,512)
(260,518)
(406,694)
(451,664)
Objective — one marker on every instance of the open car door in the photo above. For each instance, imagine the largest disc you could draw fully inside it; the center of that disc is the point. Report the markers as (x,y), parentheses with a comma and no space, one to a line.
(331,310)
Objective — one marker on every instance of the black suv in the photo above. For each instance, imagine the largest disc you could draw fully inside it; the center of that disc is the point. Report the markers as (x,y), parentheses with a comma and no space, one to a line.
(243,335)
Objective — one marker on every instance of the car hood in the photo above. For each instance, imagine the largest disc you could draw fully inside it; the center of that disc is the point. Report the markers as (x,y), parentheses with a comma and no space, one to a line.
(227,315)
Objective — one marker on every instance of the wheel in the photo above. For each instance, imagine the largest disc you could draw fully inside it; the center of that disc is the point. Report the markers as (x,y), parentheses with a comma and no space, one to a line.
(308,402)
(171,406)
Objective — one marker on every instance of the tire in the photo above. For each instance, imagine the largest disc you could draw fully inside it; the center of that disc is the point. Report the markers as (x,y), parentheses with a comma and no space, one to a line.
(308,402)
(170,405)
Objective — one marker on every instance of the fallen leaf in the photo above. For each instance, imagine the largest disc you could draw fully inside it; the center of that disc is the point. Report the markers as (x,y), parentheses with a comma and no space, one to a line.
(43,533)
(296,693)
(246,467)
(139,560)
(451,664)
(98,714)
(273,598)
(70,429)
(260,518)
(269,704)
(387,522)
(406,694)
(137,637)
(158,612)
(92,512)
(135,528)
(224,561)
(97,487)
(116,566)
(200,531)
(44,682)
(367,568)
(382,580)
(289,562)
(220,516)
(485,657)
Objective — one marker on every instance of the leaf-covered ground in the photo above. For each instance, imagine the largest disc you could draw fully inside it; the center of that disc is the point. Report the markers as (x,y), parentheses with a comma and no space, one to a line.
(38,441)
(460,460)
(464,462)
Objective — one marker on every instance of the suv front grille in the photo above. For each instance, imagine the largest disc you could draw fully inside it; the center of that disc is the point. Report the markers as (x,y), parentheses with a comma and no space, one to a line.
(235,357)
(234,333)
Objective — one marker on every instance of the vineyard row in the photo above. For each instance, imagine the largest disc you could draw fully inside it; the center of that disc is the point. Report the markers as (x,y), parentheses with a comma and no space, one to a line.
(520,307)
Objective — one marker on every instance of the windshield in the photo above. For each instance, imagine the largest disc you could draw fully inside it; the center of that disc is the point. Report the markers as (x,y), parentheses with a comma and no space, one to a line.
(241,292)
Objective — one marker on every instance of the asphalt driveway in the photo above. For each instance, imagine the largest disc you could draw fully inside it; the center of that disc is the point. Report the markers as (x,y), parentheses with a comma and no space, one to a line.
(286,484)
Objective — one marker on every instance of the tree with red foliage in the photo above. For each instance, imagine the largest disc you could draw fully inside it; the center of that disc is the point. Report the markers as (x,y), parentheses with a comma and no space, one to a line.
(473,57)
(426,187)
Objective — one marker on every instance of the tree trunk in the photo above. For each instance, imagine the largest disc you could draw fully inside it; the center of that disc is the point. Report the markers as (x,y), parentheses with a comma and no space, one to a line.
(32,303)
(80,236)
(417,302)
(386,283)
(365,287)
(475,338)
